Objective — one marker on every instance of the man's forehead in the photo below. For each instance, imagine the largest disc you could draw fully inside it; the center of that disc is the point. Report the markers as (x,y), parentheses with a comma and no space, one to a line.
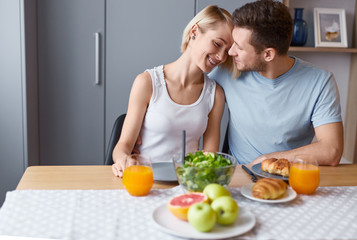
(242,30)
(241,34)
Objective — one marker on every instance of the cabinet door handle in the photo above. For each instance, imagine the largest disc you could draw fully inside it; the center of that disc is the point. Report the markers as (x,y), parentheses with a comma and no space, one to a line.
(97,58)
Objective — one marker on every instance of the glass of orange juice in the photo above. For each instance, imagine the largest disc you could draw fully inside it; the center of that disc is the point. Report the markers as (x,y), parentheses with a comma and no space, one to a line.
(304,175)
(138,175)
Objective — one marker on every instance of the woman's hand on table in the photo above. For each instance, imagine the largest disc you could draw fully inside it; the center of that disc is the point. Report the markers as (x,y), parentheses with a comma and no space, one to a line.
(118,167)
(121,163)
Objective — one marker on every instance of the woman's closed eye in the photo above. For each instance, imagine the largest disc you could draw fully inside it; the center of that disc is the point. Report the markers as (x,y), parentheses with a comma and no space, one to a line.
(217,44)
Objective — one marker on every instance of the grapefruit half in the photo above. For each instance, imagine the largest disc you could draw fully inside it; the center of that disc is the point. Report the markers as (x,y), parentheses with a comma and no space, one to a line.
(179,205)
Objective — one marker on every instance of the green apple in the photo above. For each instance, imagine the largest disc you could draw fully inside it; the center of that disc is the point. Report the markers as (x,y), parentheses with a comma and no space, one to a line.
(226,209)
(201,216)
(215,190)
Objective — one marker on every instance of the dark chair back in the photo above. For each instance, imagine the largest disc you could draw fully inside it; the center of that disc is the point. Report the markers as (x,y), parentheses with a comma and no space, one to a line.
(114,137)
(225,146)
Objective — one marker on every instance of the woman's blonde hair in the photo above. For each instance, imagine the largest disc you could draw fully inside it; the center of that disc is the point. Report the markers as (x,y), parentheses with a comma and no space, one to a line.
(207,19)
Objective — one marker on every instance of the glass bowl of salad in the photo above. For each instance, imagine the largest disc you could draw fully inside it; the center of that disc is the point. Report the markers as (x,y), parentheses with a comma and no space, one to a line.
(202,168)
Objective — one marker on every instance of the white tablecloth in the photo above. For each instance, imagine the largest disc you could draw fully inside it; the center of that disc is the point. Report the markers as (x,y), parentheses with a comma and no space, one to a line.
(331,213)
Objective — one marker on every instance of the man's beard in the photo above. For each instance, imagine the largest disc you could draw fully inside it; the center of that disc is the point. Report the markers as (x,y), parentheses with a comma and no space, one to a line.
(258,66)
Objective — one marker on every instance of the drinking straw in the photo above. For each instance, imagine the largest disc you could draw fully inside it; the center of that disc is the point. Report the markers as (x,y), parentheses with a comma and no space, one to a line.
(183,145)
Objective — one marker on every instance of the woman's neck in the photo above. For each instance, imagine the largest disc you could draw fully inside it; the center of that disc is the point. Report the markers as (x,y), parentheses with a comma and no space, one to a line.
(183,71)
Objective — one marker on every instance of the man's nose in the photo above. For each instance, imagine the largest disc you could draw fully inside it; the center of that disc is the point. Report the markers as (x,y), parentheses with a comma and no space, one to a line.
(231,51)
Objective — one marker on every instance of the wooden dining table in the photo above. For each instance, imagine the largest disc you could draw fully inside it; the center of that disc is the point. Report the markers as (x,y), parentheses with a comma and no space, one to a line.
(87,202)
(101,177)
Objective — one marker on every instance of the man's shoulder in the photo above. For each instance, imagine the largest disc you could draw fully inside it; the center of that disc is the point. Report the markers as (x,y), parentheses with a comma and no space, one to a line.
(220,74)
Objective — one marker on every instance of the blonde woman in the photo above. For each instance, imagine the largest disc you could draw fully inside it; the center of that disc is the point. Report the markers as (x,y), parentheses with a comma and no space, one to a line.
(179,96)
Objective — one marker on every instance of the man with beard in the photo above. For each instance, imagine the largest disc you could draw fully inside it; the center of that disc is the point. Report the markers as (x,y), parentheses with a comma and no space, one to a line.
(279,102)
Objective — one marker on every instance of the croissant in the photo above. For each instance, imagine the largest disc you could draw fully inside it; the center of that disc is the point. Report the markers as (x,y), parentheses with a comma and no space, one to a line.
(269,188)
(276,166)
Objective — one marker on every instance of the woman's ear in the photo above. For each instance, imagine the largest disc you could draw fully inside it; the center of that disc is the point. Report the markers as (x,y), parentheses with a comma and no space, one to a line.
(269,54)
(194,31)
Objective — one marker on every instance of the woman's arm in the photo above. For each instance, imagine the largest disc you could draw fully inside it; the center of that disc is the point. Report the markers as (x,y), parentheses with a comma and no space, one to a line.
(139,99)
(211,137)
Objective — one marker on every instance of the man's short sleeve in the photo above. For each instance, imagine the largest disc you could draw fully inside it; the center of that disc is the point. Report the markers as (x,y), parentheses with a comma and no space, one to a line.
(327,108)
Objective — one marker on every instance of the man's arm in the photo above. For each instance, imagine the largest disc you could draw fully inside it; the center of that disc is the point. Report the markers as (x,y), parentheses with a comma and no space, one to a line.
(327,149)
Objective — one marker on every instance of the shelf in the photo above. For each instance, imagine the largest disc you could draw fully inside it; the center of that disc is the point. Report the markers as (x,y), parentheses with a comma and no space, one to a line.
(323,49)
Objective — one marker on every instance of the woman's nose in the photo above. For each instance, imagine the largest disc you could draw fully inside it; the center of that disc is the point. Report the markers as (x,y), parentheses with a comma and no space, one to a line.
(221,55)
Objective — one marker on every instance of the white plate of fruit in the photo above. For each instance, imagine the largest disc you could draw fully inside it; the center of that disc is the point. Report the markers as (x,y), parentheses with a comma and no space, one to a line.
(213,214)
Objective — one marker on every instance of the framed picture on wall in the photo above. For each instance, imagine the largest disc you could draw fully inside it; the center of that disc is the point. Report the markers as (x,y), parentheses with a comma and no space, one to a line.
(330,27)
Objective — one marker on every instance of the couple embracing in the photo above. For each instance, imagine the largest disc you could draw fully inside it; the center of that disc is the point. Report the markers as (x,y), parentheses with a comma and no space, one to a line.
(277,103)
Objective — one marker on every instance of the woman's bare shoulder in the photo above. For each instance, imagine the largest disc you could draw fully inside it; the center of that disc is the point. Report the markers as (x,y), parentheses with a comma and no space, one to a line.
(143,80)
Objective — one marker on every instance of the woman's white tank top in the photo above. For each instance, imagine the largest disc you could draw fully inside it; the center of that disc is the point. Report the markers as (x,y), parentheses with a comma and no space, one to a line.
(164,120)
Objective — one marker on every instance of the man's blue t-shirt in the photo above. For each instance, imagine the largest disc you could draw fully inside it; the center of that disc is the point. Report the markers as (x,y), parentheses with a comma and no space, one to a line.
(271,115)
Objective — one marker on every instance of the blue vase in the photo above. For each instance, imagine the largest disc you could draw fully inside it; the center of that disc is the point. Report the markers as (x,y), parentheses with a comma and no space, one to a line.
(300,29)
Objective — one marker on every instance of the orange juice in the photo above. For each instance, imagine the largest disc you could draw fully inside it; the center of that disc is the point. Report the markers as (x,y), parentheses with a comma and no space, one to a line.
(304,178)
(138,180)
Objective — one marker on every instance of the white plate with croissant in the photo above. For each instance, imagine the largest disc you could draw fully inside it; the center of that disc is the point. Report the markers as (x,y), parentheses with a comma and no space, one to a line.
(289,195)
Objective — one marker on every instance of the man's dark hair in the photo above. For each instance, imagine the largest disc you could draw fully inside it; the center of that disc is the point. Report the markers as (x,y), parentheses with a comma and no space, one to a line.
(270,22)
